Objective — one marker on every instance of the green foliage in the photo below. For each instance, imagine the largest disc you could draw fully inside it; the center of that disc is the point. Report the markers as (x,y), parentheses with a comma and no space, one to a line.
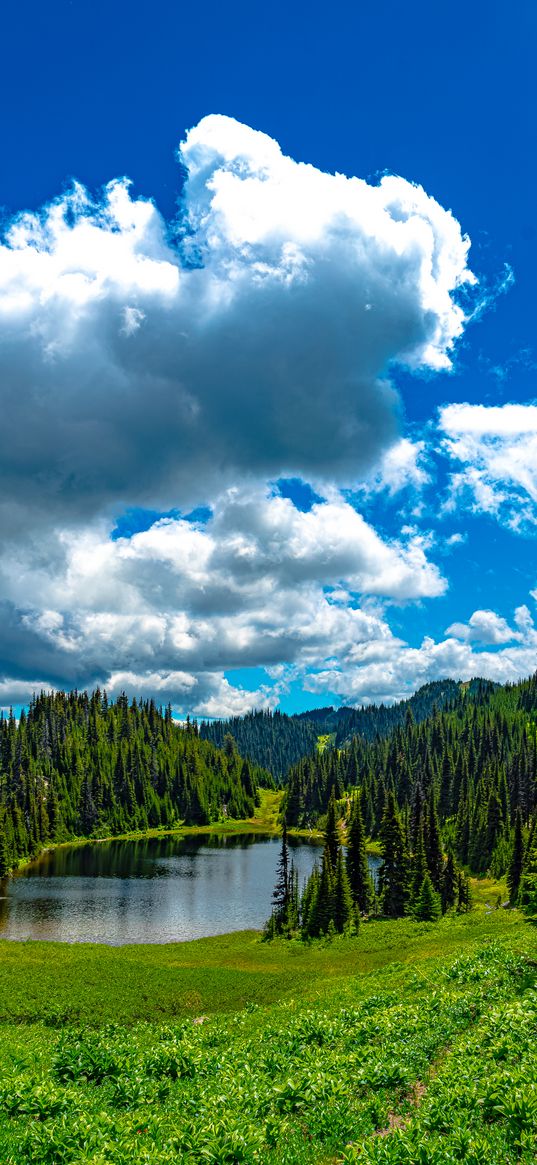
(394,874)
(77,765)
(431,1061)
(427,907)
(460,768)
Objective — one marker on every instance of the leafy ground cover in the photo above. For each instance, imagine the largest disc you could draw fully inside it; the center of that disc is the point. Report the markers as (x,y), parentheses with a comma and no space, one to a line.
(410,1043)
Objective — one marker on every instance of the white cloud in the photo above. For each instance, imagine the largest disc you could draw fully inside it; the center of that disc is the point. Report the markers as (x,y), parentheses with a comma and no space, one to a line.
(173,607)
(395,670)
(485,627)
(497,447)
(134,370)
(400,467)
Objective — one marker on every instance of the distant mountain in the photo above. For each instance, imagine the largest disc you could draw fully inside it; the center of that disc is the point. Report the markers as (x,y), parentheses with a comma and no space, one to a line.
(277,741)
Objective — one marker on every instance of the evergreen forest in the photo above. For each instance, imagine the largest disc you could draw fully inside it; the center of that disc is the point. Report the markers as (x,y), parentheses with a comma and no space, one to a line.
(79,765)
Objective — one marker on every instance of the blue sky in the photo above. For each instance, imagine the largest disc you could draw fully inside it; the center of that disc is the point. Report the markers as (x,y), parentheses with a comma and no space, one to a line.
(147,542)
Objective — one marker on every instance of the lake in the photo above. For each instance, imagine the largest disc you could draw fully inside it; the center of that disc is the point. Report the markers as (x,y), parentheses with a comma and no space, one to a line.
(154,890)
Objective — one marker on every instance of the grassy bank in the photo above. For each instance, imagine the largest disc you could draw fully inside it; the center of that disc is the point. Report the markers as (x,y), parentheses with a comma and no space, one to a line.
(407,1044)
(90,983)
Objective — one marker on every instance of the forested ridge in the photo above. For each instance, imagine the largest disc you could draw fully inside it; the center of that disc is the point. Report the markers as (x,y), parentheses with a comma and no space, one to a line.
(271,739)
(456,791)
(79,765)
(277,741)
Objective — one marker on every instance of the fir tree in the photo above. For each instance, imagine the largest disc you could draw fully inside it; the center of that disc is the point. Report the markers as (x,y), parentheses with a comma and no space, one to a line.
(419,869)
(394,871)
(357,863)
(527,893)
(427,908)
(331,832)
(281,897)
(450,882)
(514,872)
(343,905)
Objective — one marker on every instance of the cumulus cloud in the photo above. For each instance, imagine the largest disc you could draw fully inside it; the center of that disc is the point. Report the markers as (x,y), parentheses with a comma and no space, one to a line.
(391,670)
(497,448)
(484,627)
(170,365)
(170,609)
(141,364)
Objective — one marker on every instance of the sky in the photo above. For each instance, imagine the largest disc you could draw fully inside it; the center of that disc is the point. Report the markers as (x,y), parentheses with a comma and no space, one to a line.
(267,350)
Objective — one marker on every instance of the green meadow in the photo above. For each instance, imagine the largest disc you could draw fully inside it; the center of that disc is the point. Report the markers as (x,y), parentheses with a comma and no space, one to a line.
(407,1043)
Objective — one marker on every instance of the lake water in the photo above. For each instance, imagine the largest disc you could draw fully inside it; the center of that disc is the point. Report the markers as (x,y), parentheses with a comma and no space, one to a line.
(155,890)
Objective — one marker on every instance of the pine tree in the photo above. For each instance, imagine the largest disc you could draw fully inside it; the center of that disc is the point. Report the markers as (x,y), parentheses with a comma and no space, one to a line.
(343,905)
(331,832)
(418,868)
(433,845)
(321,911)
(427,907)
(450,884)
(357,863)
(514,872)
(527,893)
(281,897)
(394,871)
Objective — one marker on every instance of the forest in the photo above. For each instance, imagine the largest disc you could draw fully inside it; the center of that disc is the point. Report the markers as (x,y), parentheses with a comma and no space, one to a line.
(79,765)
(454,793)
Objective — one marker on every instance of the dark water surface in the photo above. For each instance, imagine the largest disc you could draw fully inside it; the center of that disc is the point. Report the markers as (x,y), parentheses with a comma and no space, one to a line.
(154,890)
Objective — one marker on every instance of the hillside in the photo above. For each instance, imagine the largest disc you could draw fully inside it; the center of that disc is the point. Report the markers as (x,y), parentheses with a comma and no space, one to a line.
(465,770)
(276,741)
(78,765)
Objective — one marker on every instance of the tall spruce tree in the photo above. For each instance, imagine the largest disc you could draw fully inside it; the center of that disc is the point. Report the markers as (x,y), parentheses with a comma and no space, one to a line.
(281,897)
(450,884)
(527,892)
(343,905)
(514,872)
(357,863)
(394,874)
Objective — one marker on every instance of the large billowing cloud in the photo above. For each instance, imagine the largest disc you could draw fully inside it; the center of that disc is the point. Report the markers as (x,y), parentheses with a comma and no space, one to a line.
(496,448)
(173,607)
(144,364)
(173,364)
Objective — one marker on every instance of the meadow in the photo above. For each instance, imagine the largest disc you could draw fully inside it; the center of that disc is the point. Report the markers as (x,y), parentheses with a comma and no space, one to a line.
(407,1043)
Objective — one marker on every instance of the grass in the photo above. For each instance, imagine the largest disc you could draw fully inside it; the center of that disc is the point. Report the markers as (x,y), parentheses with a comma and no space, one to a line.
(411,1044)
(89,983)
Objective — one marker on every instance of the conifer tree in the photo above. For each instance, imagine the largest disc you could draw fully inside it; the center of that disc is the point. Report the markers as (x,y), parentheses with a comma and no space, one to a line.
(450,883)
(281,897)
(427,908)
(321,911)
(343,904)
(514,872)
(357,863)
(418,868)
(394,872)
(331,832)
(433,845)
(527,893)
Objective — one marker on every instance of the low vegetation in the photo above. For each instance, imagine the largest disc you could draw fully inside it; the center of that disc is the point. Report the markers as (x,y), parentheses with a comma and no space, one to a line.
(412,1042)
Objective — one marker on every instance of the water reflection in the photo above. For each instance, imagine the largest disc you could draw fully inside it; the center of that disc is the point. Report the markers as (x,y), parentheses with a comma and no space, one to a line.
(150,890)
